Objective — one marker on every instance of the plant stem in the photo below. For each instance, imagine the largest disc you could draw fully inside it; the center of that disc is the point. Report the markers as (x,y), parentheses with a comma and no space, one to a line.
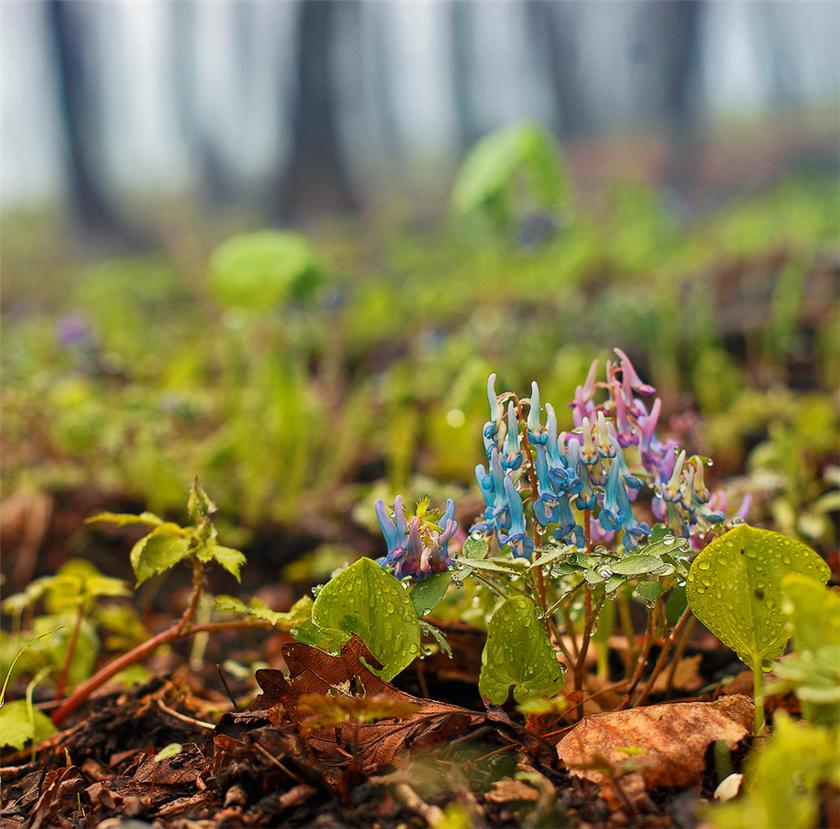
(758,696)
(535,496)
(646,646)
(195,596)
(570,629)
(627,629)
(71,649)
(663,657)
(585,639)
(138,654)
(681,646)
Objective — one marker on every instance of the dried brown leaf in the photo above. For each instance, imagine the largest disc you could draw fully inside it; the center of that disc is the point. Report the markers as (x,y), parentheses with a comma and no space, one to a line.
(658,746)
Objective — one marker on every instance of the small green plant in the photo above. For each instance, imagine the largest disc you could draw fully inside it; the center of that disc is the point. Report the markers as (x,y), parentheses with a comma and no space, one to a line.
(735,589)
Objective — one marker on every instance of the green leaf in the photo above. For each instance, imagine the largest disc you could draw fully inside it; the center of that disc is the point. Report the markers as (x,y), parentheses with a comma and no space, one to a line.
(232,560)
(783,780)
(428,629)
(475,547)
(122,519)
(19,724)
(158,552)
(647,591)
(813,612)
(367,600)
(547,558)
(298,613)
(260,270)
(675,605)
(511,566)
(426,594)
(519,654)
(734,589)
(171,750)
(199,506)
(487,176)
(635,565)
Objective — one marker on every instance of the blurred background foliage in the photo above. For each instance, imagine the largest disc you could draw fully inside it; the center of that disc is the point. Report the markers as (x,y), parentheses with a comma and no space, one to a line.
(292,271)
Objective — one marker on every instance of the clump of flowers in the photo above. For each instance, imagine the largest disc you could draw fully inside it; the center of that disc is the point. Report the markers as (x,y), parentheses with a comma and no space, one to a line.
(418,545)
(605,480)
(582,484)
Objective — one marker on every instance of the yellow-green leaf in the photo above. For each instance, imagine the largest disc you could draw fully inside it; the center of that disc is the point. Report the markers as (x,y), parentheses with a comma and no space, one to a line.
(19,724)
(158,552)
(734,589)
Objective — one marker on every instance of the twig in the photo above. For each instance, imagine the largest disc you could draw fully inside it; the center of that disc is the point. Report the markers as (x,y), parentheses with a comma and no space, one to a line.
(184,718)
(587,636)
(678,653)
(414,803)
(138,654)
(271,758)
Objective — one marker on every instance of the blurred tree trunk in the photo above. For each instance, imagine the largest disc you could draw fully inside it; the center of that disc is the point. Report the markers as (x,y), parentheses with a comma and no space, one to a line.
(315,179)
(461,50)
(553,32)
(77,99)
(680,26)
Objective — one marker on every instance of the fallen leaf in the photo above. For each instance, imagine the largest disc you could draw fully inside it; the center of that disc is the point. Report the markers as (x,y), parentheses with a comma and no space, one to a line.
(313,672)
(687,675)
(507,789)
(657,746)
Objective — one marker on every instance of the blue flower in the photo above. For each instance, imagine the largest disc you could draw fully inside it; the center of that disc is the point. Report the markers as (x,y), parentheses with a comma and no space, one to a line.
(520,543)
(512,458)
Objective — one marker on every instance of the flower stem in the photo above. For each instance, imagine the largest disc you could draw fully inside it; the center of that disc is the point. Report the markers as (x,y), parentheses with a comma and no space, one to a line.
(645,652)
(758,696)
(663,657)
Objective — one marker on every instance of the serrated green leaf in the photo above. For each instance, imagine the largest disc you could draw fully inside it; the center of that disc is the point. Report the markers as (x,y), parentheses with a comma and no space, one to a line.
(734,589)
(297,614)
(367,600)
(19,724)
(230,559)
(199,506)
(519,654)
(426,594)
(158,552)
(475,548)
(123,519)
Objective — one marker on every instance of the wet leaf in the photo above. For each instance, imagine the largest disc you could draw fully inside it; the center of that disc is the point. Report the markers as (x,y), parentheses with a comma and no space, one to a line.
(426,594)
(734,589)
(519,654)
(813,612)
(475,548)
(673,739)
(635,565)
(366,600)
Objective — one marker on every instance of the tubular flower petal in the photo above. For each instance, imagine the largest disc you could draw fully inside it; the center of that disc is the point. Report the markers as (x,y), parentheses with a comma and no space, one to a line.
(628,373)
(513,456)
(588,453)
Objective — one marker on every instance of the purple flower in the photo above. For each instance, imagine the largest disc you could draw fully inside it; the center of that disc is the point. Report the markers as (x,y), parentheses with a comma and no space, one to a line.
(416,550)
(74,331)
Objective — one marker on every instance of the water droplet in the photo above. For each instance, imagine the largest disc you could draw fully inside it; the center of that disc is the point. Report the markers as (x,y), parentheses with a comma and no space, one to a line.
(703,565)
(389,606)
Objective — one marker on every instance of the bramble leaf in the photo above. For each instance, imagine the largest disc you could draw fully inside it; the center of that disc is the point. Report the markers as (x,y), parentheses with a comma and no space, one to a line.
(232,560)
(734,589)
(518,653)
(158,551)
(123,519)
(19,723)
(295,616)
(367,600)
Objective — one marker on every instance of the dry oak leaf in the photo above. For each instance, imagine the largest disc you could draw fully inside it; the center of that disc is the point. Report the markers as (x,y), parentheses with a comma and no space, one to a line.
(658,746)
(379,743)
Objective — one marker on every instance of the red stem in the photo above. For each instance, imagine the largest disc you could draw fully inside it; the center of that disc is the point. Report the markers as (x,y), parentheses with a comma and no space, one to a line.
(71,649)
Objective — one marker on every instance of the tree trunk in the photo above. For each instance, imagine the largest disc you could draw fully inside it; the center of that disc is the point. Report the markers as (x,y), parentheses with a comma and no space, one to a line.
(315,180)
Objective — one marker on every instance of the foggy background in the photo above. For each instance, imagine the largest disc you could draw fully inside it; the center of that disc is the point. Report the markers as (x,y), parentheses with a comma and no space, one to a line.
(291,109)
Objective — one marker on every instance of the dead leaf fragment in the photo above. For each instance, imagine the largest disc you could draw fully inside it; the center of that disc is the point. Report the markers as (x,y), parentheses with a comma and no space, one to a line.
(507,789)
(657,746)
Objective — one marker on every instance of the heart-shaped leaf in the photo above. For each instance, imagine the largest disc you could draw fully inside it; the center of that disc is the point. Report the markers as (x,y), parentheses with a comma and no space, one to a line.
(518,653)
(734,589)
(367,600)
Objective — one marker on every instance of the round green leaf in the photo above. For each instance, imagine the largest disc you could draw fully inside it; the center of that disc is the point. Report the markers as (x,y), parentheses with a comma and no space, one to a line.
(734,589)
(260,270)
(518,653)
(813,611)
(367,600)
(426,594)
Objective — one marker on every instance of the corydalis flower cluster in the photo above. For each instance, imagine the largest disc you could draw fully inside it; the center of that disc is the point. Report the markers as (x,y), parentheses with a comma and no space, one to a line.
(416,548)
(585,471)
